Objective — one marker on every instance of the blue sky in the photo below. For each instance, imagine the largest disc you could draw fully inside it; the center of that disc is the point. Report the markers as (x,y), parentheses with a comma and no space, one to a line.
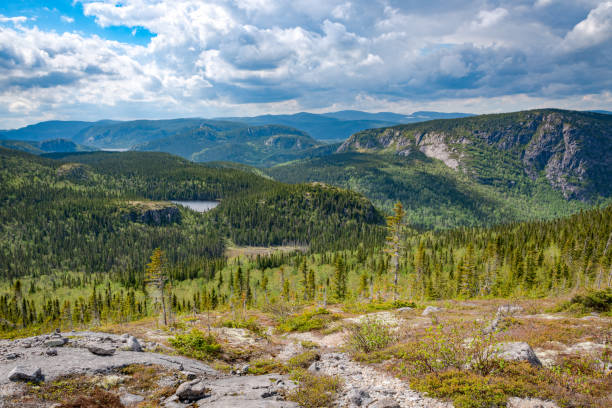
(94,59)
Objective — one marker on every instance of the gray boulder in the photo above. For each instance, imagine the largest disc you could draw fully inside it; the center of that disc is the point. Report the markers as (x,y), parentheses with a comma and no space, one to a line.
(56,342)
(386,403)
(23,373)
(128,399)
(431,309)
(51,352)
(517,351)
(133,344)
(192,391)
(509,310)
(101,349)
(359,397)
(492,327)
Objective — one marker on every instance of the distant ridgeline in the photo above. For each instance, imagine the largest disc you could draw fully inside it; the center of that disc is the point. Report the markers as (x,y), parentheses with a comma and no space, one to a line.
(106,212)
(479,170)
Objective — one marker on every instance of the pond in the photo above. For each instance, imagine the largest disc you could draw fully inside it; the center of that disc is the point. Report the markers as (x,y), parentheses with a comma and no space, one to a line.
(199,206)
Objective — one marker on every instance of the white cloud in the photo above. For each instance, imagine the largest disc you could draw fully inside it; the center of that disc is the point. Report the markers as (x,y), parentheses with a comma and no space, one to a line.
(248,56)
(14,20)
(592,31)
(67,19)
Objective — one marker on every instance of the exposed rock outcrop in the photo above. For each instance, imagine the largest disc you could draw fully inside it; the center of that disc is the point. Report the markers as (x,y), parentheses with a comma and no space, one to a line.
(568,148)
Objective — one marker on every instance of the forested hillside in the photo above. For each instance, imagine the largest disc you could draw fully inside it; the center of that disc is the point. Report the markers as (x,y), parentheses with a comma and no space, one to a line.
(46,146)
(473,171)
(110,210)
(255,145)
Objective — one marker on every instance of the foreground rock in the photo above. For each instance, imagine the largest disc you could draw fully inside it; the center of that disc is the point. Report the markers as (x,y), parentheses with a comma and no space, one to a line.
(366,387)
(133,344)
(430,310)
(509,310)
(76,359)
(517,351)
(101,350)
(515,402)
(263,391)
(192,391)
(22,373)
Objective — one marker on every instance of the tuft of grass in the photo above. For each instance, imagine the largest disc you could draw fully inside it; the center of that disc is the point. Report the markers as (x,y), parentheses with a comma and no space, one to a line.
(297,362)
(266,366)
(249,324)
(196,344)
(303,360)
(309,345)
(314,390)
(310,320)
(359,308)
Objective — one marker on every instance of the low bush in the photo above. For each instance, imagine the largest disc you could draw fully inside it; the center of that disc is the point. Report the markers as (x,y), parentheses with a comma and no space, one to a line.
(360,307)
(314,390)
(310,320)
(371,335)
(303,360)
(266,366)
(197,345)
(249,324)
(594,301)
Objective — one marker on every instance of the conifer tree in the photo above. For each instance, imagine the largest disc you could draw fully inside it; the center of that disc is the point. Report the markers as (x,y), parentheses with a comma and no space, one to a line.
(340,278)
(156,275)
(393,245)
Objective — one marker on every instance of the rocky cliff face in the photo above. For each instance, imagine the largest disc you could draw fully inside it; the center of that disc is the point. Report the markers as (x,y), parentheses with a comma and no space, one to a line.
(573,150)
(153,213)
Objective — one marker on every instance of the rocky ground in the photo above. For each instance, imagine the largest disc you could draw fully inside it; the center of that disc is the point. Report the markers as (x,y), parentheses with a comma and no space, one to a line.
(146,371)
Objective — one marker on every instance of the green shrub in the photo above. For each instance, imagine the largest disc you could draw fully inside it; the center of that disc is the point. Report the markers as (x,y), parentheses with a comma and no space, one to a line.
(303,360)
(311,320)
(307,344)
(594,301)
(266,366)
(197,345)
(249,324)
(314,391)
(371,335)
(466,390)
(376,306)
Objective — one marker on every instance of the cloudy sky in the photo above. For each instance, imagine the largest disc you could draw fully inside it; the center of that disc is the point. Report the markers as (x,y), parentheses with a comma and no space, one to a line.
(94,59)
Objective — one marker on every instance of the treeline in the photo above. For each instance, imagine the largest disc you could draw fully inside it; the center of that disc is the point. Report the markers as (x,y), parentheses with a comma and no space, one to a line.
(534,258)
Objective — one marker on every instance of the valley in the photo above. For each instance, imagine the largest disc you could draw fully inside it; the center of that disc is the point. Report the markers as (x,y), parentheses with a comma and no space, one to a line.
(458,262)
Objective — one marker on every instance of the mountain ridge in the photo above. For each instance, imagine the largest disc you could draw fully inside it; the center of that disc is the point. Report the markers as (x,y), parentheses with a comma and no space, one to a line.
(567,147)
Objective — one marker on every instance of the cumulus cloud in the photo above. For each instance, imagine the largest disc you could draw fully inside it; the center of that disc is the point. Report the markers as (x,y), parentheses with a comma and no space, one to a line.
(593,30)
(252,56)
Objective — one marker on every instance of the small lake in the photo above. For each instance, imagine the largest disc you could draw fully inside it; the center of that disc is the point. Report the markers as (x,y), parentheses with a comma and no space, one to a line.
(199,206)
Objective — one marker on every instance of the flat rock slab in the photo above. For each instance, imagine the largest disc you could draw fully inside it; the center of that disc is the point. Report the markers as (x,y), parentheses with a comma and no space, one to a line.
(261,391)
(72,360)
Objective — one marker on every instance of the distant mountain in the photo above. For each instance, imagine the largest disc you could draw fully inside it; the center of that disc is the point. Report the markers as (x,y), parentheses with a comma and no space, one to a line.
(125,135)
(46,146)
(253,145)
(474,171)
(419,116)
(320,127)
(55,129)
(603,112)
